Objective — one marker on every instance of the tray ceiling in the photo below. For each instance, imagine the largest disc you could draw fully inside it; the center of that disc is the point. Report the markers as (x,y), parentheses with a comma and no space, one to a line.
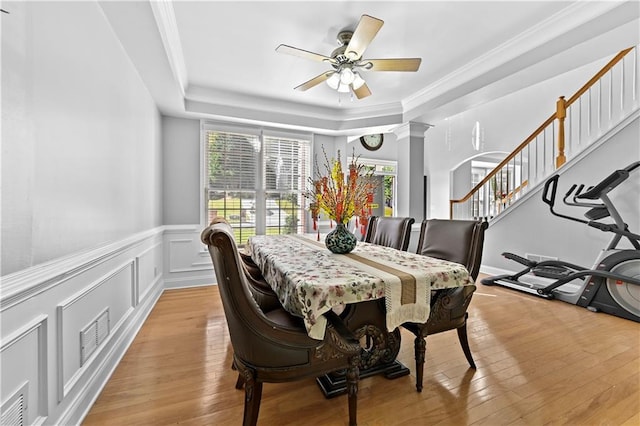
(217,58)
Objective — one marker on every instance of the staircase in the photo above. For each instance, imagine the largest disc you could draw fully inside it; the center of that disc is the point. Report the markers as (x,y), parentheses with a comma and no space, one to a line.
(605,101)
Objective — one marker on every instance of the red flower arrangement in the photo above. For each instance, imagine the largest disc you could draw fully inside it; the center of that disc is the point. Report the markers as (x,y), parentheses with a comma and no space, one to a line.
(341,197)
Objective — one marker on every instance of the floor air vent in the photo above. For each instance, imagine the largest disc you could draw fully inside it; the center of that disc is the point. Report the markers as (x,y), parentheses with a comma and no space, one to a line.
(93,335)
(14,410)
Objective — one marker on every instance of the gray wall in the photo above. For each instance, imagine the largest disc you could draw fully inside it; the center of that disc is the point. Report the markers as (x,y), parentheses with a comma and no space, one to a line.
(461,180)
(81,151)
(530,228)
(181,171)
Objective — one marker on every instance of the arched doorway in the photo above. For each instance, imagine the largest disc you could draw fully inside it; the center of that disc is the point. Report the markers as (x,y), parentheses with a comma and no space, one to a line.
(470,171)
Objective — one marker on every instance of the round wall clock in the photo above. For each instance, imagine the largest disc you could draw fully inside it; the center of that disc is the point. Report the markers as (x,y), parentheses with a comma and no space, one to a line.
(372,142)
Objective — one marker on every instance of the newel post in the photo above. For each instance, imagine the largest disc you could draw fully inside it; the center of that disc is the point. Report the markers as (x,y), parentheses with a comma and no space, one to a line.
(561,113)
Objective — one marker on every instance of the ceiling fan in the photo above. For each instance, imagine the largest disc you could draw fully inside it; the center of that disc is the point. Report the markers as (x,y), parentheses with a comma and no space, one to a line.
(347,60)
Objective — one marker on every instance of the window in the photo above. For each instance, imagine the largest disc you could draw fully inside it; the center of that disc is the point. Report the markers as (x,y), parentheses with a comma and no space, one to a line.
(384,202)
(287,167)
(256,181)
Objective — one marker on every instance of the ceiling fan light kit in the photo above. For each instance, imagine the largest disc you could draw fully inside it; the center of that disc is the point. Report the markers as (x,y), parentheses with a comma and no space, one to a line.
(357,81)
(347,59)
(334,81)
(346,76)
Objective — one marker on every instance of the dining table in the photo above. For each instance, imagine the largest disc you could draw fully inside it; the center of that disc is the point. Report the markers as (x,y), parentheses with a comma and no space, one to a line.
(374,288)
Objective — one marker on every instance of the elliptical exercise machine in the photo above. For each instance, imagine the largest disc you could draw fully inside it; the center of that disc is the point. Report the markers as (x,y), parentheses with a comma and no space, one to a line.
(612,285)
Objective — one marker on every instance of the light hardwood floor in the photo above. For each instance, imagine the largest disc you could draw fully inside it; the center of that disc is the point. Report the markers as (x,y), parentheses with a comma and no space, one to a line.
(539,362)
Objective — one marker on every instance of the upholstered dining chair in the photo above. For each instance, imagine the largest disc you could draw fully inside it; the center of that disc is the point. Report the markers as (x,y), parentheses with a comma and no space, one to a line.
(392,232)
(274,346)
(262,292)
(459,241)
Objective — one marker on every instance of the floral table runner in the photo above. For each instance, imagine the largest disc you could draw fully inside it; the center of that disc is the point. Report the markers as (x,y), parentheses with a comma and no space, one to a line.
(310,280)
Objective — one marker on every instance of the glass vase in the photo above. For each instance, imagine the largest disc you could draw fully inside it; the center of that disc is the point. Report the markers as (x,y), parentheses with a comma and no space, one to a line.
(340,240)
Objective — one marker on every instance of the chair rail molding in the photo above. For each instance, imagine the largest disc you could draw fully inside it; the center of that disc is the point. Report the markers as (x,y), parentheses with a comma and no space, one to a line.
(22,285)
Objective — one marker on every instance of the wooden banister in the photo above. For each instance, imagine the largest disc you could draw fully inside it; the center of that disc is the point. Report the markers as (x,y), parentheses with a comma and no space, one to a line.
(560,114)
(495,171)
(599,75)
(512,194)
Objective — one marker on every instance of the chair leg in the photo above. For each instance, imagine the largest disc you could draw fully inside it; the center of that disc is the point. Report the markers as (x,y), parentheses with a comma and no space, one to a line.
(352,376)
(239,381)
(464,342)
(252,397)
(420,347)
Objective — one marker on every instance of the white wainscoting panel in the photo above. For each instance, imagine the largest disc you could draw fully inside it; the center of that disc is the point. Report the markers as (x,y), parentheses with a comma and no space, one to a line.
(44,310)
(65,296)
(149,269)
(187,261)
(113,292)
(23,362)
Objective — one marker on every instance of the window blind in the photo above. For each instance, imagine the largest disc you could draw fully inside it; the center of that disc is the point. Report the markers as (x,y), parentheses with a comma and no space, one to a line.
(257,181)
(286,163)
(232,160)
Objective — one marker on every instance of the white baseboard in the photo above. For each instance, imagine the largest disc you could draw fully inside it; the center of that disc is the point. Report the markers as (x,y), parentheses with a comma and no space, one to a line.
(201,281)
(491,271)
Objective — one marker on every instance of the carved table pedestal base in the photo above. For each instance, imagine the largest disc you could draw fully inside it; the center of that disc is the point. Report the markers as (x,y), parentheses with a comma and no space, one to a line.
(380,347)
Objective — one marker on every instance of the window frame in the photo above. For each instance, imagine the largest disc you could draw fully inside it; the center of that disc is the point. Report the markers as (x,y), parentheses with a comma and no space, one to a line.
(368,162)
(262,133)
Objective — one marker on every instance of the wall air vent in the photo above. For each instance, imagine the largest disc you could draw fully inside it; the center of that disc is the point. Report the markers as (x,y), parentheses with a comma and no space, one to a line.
(93,335)
(14,409)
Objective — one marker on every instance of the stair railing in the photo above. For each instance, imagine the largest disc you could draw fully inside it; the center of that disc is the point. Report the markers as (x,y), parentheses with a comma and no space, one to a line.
(604,101)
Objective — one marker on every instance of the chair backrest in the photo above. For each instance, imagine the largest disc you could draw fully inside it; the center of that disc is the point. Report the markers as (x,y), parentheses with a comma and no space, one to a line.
(255,339)
(392,232)
(259,288)
(459,241)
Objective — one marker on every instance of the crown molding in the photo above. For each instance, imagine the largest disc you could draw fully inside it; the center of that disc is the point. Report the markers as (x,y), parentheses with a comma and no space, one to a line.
(235,99)
(412,129)
(251,109)
(298,121)
(165,18)
(565,20)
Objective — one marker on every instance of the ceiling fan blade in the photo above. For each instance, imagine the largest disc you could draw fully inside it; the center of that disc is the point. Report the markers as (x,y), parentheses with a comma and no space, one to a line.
(397,64)
(290,50)
(366,30)
(362,91)
(314,81)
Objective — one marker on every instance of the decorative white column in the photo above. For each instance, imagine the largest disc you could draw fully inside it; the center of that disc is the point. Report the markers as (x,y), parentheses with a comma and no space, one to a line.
(410,183)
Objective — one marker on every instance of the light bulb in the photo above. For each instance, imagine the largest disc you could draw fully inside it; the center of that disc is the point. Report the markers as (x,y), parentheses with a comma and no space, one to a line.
(334,80)
(357,81)
(346,76)
(343,88)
